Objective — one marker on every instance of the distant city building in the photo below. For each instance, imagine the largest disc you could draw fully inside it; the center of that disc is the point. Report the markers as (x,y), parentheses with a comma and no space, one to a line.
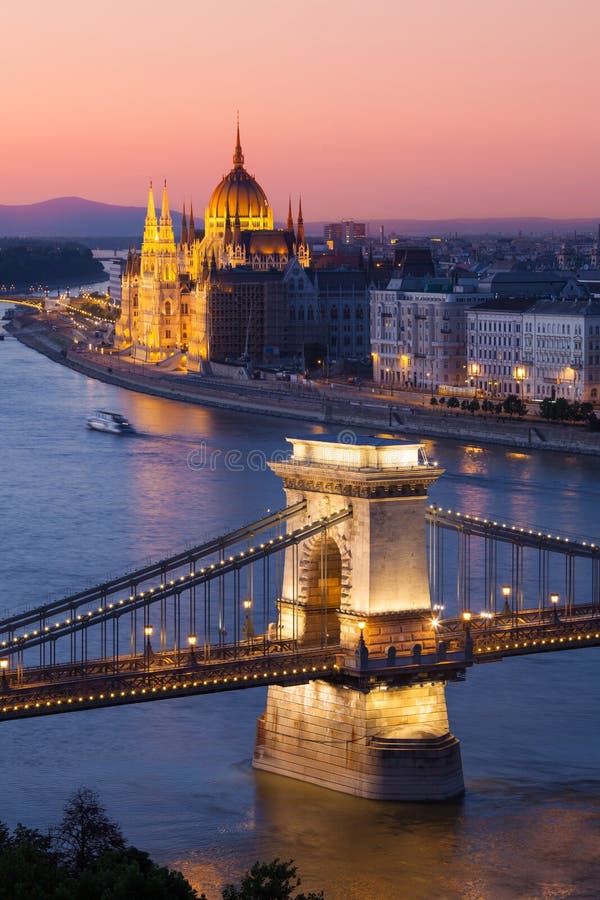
(346,232)
(544,284)
(116,270)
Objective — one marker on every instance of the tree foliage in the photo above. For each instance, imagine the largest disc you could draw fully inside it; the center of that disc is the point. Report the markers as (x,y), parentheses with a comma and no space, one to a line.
(84,858)
(27,262)
(86,832)
(269,881)
(561,410)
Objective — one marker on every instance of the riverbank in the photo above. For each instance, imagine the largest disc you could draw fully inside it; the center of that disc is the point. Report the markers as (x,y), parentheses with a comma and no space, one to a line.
(331,405)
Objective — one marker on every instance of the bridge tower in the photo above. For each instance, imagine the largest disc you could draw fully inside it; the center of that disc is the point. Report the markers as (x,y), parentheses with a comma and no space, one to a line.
(362,584)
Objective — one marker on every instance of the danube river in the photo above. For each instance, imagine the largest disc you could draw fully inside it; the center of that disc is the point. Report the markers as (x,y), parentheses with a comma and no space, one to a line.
(78,506)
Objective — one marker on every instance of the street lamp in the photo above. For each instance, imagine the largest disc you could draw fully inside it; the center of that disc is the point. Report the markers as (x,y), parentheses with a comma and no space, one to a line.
(554,600)
(148,629)
(466,617)
(4,668)
(248,629)
(192,641)
(506,592)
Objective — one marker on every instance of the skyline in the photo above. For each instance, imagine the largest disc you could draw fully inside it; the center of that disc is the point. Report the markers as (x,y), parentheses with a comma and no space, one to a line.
(496,121)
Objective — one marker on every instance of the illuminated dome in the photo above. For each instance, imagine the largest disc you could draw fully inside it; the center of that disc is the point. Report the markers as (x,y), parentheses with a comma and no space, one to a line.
(238,193)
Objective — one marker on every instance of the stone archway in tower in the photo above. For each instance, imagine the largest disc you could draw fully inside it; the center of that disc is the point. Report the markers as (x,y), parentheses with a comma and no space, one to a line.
(321,592)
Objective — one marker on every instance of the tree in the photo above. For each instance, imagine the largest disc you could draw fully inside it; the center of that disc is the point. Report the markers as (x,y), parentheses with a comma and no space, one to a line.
(474,406)
(86,832)
(433,401)
(131,875)
(29,867)
(453,403)
(514,406)
(269,881)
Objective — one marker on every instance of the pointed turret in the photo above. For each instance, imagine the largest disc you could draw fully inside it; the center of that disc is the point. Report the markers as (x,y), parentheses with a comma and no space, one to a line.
(290,220)
(227,236)
(184,231)
(300,234)
(238,156)
(151,225)
(165,230)
(191,229)
(237,228)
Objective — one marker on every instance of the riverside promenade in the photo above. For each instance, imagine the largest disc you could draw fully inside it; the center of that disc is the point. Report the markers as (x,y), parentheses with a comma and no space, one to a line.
(322,403)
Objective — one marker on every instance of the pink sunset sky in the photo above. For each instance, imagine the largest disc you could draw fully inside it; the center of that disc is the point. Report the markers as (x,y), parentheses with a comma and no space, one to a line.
(386,108)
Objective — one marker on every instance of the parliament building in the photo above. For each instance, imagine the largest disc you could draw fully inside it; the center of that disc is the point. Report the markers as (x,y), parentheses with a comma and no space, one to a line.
(221,295)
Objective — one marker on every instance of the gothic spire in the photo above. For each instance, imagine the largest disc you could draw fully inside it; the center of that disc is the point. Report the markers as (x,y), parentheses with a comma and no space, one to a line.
(184,231)
(238,156)
(290,221)
(191,229)
(151,225)
(227,237)
(300,235)
(165,233)
(237,228)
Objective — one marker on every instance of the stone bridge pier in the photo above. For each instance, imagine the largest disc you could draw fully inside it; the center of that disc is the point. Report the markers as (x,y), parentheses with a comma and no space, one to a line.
(364,578)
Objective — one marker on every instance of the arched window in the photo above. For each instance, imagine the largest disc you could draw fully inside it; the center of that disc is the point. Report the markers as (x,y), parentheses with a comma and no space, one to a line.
(359,312)
(292,314)
(310,314)
(346,312)
(333,313)
(167,307)
(301,314)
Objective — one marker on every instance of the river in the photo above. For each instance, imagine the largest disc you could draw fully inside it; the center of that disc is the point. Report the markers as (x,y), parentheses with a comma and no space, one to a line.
(78,506)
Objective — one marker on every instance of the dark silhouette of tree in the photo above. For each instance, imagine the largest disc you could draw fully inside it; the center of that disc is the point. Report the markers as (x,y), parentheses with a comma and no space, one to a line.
(131,875)
(86,832)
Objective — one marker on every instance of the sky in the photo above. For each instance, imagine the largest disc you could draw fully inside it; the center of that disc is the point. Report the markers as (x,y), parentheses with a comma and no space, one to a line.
(379,109)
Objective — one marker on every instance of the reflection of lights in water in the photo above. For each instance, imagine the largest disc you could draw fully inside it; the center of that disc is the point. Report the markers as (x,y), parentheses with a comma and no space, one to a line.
(514,455)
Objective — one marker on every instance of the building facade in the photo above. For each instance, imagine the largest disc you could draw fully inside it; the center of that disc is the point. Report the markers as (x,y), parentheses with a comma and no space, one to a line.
(418,332)
(540,349)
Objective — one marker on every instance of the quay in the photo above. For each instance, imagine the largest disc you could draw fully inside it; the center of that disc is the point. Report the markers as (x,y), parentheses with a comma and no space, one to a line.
(333,405)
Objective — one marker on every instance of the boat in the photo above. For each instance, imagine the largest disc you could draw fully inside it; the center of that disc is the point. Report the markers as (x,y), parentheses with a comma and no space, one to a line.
(114,423)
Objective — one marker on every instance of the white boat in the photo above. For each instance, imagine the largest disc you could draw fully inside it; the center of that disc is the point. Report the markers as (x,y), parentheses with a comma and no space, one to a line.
(114,423)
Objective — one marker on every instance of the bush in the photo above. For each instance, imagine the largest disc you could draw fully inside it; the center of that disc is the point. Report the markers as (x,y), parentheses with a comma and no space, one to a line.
(269,881)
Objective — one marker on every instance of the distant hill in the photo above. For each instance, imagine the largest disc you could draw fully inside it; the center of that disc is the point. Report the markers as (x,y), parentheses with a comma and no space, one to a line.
(74,217)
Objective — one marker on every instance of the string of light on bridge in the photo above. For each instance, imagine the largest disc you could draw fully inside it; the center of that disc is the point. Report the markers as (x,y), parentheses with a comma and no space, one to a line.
(55,629)
(509,528)
(190,686)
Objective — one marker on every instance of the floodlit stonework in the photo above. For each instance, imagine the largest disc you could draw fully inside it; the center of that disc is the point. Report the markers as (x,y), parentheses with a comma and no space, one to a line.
(366,574)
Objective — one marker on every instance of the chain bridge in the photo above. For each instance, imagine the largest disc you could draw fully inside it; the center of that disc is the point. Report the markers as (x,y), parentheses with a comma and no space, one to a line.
(345,602)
